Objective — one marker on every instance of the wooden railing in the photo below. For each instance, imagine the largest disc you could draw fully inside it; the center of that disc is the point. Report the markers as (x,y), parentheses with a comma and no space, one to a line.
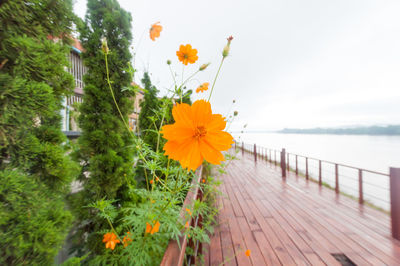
(175,253)
(284,158)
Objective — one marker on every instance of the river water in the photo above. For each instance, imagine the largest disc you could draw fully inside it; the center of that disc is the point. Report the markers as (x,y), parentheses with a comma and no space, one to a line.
(375,153)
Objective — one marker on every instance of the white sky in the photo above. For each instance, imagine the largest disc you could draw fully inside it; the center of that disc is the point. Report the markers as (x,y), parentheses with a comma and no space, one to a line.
(293,63)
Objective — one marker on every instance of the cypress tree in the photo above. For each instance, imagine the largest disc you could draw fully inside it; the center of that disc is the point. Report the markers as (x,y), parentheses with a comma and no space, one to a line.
(33,159)
(151,112)
(105,147)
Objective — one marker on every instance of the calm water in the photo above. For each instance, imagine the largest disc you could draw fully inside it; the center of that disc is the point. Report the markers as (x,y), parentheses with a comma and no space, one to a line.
(376,153)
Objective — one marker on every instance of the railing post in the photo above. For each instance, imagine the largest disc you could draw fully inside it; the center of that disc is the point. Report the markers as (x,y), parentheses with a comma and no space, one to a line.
(336,178)
(395,201)
(360,187)
(297,168)
(288,164)
(306,168)
(270,158)
(320,173)
(200,225)
(255,152)
(266,155)
(275,157)
(283,163)
(242,148)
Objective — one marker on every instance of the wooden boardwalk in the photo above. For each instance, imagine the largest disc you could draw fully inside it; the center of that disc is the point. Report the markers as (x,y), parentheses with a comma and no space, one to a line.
(293,222)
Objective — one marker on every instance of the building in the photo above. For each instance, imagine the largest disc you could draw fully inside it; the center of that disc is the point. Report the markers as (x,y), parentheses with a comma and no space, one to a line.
(134,117)
(77,69)
(69,112)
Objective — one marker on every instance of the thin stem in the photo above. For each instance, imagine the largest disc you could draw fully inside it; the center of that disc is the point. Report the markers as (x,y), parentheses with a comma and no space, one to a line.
(216,76)
(172,74)
(113,96)
(191,76)
(113,229)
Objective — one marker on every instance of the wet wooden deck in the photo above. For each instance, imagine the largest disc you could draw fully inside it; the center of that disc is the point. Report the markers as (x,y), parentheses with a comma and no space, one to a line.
(294,222)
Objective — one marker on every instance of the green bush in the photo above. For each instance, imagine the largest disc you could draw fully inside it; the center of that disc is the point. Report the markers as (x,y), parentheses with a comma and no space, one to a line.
(33,221)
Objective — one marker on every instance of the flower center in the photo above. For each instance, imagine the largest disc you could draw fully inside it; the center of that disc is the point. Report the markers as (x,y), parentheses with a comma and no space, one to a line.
(200,132)
(186,56)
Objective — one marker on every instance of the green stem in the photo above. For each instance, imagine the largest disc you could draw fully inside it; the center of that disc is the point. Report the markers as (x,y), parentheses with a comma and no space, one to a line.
(216,76)
(113,96)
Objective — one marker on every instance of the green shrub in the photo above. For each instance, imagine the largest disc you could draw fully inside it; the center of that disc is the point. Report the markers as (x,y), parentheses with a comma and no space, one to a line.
(33,222)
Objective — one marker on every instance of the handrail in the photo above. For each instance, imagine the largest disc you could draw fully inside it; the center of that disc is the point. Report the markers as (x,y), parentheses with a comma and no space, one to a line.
(393,178)
(175,252)
(340,164)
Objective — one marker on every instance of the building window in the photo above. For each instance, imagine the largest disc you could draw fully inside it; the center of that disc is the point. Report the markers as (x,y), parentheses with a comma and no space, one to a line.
(77,69)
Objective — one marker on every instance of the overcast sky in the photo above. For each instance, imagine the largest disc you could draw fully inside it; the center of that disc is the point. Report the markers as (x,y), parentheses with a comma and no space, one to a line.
(293,63)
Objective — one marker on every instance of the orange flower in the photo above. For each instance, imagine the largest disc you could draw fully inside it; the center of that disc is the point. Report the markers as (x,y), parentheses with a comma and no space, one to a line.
(202,87)
(152,229)
(187,225)
(204,180)
(186,54)
(111,240)
(155,31)
(126,239)
(148,228)
(196,135)
(188,211)
(156,227)
(151,181)
(247,253)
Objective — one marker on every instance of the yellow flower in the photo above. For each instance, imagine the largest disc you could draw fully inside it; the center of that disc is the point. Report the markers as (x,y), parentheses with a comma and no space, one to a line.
(155,31)
(111,240)
(186,54)
(196,135)
(202,87)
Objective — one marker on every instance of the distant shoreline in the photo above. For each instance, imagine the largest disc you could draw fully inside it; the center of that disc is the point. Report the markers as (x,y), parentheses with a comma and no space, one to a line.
(391,130)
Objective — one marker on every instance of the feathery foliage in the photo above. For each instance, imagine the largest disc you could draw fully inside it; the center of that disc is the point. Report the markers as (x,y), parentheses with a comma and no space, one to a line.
(105,148)
(31,141)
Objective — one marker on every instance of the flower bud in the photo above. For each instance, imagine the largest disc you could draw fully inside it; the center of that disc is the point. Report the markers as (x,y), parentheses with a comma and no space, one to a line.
(234,101)
(204,66)
(225,52)
(168,62)
(235,113)
(104,45)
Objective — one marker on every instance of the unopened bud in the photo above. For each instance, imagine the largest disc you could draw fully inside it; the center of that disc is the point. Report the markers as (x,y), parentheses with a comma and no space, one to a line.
(225,52)
(204,66)
(234,101)
(168,62)
(104,45)
(235,113)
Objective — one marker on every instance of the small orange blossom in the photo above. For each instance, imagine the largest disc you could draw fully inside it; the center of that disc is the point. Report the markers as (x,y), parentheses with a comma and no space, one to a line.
(127,239)
(247,253)
(152,228)
(111,240)
(189,211)
(202,87)
(196,135)
(186,54)
(155,31)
